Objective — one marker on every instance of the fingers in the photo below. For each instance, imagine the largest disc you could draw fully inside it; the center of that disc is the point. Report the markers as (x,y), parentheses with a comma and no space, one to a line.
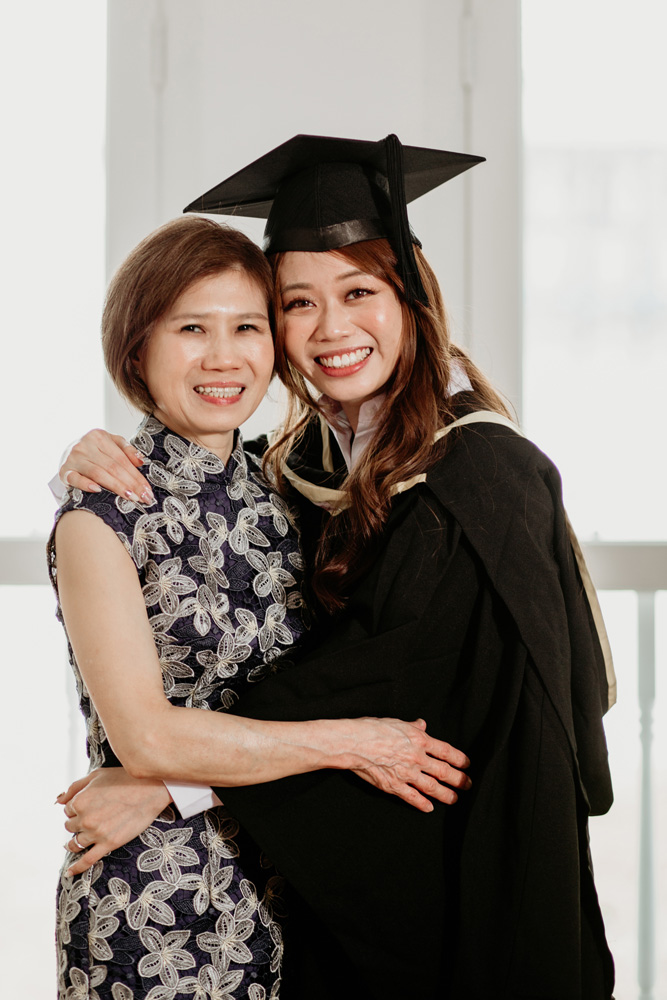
(77,481)
(420,790)
(447,760)
(413,797)
(79,842)
(444,751)
(447,774)
(87,860)
(134,456)
(387,781)
(434,789)
(74,789)
(100,460)
(422,742)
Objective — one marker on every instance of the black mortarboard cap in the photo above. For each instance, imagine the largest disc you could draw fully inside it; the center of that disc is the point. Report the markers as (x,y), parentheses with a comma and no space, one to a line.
(322,193)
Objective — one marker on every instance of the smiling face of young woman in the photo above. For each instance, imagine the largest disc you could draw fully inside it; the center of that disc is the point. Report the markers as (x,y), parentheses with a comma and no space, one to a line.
(209,360)
(342,326)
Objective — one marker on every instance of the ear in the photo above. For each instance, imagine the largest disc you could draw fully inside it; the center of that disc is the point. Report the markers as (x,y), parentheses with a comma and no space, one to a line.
(136,364)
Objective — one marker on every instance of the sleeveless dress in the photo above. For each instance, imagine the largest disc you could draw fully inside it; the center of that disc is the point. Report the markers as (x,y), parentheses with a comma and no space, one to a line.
(190,908)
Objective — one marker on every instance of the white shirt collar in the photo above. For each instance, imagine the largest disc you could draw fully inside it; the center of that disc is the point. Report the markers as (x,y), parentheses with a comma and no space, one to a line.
(351,444)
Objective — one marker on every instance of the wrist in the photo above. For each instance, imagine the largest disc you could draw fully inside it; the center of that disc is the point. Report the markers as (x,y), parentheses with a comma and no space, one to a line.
(339,744)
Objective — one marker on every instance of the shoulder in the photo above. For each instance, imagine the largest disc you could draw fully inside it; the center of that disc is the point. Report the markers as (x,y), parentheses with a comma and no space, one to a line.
(306,449)
(494,450)
(85,544)
(506,495)
(307,442)
(494,464)
(116,513)
(256,447)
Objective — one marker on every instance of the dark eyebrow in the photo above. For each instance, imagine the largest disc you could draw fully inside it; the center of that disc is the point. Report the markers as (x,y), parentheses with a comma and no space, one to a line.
(341,277)
(353,274)
(297,284)
(192,317)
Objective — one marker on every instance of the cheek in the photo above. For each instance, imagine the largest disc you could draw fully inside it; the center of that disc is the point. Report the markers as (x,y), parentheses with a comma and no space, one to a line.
(164,366)
(160,373)
(398,345)
(159,382)
(388,329)
(397,330)
(165,357)
(262,359)
(293,345)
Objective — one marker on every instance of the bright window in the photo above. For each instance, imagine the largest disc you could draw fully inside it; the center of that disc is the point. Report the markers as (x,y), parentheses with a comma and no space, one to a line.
(595,249)
(596,257)
(53,82)
(52,78)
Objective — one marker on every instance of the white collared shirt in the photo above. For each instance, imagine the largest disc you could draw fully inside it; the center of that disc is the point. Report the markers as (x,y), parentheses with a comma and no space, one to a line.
(353,443)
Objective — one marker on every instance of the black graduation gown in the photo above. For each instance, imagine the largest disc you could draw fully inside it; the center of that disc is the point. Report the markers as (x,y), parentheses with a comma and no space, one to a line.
(473,617)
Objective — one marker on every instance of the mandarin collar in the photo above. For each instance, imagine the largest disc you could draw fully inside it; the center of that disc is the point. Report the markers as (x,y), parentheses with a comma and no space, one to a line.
(186,459)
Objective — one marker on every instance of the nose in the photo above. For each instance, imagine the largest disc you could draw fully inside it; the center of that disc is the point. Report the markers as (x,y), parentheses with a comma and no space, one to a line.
(335,322)
(221,353)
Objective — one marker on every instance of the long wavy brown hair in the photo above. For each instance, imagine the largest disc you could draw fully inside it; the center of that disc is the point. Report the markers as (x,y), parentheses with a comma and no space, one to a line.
(417,403)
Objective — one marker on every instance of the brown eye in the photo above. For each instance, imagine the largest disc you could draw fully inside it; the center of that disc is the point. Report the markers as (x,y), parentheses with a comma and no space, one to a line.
(296,304)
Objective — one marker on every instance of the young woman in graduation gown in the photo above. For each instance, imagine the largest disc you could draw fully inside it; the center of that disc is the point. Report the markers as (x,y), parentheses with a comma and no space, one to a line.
(448,586)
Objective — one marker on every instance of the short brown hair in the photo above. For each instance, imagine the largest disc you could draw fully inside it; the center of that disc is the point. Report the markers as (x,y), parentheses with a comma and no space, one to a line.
(154,275)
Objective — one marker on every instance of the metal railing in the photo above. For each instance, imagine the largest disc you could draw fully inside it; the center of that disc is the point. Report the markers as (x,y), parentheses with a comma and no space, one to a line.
(642,567)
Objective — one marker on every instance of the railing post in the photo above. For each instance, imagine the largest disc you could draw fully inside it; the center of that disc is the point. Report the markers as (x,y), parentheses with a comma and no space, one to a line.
(646,651)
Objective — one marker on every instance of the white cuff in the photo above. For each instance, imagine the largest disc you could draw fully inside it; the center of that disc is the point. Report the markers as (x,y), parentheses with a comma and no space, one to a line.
(191,799)
(56,485)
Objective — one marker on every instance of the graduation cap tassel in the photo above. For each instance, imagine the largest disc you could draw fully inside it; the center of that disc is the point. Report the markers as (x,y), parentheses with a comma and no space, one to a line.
(407,264)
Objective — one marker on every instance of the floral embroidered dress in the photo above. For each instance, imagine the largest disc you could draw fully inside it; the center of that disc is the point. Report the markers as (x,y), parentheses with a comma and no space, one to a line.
(189,908)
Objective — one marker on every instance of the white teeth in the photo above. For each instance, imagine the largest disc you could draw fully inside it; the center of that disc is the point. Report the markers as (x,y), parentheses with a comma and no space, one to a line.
(345,360)
(221,392)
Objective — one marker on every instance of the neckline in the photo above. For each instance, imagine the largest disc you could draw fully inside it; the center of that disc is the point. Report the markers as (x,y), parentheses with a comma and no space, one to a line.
(185,458)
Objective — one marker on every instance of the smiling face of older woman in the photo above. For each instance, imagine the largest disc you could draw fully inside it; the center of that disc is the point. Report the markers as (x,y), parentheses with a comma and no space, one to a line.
(209,359)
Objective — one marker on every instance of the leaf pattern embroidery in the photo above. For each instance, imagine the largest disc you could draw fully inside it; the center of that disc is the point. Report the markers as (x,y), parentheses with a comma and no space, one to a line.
(189,908)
